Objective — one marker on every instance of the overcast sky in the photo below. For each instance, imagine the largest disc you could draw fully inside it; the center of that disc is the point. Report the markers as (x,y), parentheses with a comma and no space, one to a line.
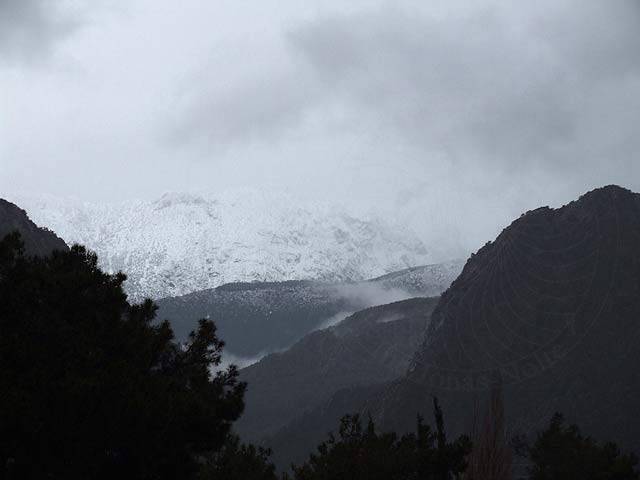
(456,116)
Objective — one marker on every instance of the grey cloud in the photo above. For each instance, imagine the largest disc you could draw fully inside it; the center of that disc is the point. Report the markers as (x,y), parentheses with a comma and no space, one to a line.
(29,28)
(243,112)
(555,84)
(454,116)
(492,85)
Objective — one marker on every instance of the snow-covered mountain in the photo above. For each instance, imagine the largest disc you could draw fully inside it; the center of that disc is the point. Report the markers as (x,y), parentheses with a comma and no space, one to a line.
(182,243)
(258,317)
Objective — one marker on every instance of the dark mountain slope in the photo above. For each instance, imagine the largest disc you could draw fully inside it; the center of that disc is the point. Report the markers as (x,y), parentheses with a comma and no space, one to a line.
(37,241)
(255,318)
(258,318)
(369,347)
(551,311)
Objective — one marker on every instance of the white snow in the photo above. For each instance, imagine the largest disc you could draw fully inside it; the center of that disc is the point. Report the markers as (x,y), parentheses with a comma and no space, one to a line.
(182,243)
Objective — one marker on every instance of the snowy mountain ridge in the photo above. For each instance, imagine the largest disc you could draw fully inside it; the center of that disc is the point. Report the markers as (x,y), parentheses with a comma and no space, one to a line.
(185,242)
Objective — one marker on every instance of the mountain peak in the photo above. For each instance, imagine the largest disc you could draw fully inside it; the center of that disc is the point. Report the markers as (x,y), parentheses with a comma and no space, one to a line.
(612,190)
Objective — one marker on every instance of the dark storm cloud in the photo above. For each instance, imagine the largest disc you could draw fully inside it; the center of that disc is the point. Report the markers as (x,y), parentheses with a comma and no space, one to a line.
(509,86)
(29,28)
(556,83)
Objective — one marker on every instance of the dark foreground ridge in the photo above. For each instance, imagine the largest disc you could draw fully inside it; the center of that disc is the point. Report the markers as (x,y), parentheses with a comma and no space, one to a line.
(37,241)
(550,311)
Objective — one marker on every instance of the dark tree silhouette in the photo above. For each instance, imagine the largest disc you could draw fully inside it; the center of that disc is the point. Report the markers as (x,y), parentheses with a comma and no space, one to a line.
(357,453)
(362,453)
(238,461)
(562,453)
(90,387)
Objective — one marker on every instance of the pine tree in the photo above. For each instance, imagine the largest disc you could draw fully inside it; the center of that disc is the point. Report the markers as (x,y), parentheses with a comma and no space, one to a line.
(562,453)
(91,387)
(363,453)
(238,461)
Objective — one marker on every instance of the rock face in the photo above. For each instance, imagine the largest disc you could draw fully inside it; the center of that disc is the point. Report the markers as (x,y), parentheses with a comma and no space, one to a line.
(183,243)
(550,311)
(370,347)
(37,241)
(259,318)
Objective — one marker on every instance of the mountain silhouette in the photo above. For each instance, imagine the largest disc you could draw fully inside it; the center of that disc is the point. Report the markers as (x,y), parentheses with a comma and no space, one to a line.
(549,313)
(37,241)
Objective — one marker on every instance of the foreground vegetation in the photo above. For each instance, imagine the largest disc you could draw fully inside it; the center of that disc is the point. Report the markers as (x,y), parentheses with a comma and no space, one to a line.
(91,387)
